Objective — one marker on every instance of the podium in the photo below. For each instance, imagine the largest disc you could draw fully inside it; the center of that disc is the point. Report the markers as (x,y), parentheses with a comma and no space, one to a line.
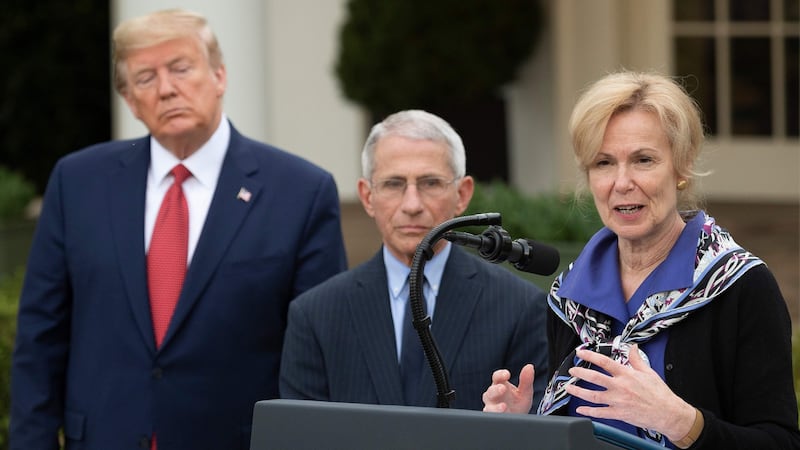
(306,424)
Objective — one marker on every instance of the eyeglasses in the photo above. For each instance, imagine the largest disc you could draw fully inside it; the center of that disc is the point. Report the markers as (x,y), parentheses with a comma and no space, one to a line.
(426,186)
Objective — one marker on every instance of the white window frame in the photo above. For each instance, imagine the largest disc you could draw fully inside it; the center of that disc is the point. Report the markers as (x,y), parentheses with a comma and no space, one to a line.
(722,29)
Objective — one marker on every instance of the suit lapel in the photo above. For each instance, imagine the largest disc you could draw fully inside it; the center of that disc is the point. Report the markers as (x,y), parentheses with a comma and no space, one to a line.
(225,215)
(127,222)
(458,294)
(369,307)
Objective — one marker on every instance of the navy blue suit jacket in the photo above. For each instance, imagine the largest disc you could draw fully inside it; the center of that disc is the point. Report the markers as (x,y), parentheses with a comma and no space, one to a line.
(85,356)
(340,341)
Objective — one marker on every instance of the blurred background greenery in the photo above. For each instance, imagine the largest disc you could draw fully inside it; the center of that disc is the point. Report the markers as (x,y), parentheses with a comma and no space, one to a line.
(55,97)
(56,93)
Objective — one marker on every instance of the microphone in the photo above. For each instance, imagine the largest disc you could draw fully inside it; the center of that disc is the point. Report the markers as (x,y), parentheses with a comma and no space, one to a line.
(495,245)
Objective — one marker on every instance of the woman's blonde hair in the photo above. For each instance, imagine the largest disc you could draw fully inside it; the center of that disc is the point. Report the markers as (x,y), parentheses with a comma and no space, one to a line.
(623,91)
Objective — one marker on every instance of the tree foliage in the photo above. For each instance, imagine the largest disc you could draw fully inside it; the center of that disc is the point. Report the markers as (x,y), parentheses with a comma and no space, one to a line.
(10,286)
(16,193)
(55,89)
(398,54)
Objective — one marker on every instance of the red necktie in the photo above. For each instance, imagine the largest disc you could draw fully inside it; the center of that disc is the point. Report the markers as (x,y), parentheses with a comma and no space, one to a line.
(166,259)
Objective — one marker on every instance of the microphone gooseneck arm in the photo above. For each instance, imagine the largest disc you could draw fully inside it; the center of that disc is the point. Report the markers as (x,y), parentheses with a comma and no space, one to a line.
(495,245)
(420,320)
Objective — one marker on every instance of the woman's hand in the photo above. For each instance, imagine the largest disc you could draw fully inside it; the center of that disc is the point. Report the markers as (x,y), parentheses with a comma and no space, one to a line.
(502,396)
(634,394)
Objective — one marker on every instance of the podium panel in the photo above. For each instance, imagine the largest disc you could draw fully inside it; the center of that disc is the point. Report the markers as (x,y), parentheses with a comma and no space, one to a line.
(305,424)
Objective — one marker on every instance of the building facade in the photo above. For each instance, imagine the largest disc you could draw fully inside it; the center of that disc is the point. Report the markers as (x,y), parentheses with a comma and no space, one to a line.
(740,58)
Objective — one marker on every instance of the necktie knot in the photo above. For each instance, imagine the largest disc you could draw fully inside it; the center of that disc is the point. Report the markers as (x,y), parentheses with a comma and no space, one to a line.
(181,173)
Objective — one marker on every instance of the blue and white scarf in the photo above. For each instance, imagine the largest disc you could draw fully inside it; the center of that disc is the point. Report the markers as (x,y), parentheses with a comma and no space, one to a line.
(719,262)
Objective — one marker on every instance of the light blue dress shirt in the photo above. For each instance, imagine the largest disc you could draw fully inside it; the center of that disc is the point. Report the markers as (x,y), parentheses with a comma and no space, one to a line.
(397,275)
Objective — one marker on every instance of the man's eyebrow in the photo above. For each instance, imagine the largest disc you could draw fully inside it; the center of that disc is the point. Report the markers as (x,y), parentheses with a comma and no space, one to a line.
(173,61)
(178,59)
(406,177)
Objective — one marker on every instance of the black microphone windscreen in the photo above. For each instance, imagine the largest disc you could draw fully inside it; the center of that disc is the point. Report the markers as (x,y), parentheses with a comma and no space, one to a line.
(543,259)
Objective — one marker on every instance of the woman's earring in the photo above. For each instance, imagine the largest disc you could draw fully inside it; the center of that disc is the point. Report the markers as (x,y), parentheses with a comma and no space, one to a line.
(682,185)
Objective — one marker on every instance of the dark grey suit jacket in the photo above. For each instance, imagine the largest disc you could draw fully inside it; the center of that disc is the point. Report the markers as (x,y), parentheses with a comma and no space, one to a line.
(340,345)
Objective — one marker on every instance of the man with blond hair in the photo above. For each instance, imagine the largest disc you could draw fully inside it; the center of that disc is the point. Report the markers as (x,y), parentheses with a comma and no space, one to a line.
(154,305)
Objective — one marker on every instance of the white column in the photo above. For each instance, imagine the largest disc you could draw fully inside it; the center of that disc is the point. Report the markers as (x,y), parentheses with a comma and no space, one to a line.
(307,111)
(533,156)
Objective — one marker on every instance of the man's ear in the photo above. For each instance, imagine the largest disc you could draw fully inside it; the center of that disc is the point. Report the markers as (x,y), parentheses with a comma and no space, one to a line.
(466,187)
(221,75)
(365,195)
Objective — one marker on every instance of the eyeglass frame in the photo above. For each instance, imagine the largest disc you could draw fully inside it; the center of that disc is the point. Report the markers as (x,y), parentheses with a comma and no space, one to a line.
(378,186)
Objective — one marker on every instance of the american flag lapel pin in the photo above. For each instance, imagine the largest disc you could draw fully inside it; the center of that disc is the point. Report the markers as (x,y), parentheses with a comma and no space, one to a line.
(244,195)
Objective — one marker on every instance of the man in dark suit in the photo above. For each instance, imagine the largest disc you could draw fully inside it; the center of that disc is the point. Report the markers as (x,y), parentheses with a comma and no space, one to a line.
(345,338)
(112,347)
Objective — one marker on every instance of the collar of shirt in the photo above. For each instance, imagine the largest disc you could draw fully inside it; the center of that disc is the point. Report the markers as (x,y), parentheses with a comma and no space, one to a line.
(205,164)
(594,279)
(397,277)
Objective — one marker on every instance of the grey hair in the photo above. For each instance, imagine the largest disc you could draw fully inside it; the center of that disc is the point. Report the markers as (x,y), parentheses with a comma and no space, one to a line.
(415,124)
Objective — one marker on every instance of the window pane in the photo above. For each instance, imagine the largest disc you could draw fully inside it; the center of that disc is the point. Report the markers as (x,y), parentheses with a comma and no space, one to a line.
(751,97)
(694,60)
(791,10)
(792,86)
(693,10)
(749,10)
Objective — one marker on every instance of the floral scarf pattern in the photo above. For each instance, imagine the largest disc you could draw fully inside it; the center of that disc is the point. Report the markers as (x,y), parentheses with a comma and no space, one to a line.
(719,262)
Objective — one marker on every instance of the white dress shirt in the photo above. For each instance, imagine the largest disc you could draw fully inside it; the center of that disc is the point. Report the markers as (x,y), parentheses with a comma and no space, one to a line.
(205,165)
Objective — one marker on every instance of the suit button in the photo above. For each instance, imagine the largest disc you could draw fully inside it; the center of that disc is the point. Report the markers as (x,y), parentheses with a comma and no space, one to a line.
(144,442)
(157,373)
(668,366)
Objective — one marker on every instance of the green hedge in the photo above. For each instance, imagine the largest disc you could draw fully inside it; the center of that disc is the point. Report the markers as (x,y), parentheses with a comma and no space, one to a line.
(10,286)
(796,366)
(548,217)
(16,192)
(565,221)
